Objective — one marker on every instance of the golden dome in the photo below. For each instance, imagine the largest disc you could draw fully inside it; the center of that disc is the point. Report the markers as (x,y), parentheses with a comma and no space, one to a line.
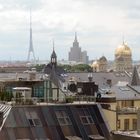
(123,50)
(95,64)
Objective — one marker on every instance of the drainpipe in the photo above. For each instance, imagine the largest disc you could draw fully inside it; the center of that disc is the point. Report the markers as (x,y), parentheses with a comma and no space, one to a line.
(138,121)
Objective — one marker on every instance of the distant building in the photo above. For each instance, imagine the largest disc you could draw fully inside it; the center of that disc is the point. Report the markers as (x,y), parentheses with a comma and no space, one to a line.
(76,54)
(123,58)
(100,65)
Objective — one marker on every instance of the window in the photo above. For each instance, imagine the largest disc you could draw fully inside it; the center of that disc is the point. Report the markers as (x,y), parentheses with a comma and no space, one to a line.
(31,122)
(63,117)
(127,103)
(86,119)
(34,122)
(37,122)
(85,116)
(33,118)
(134,124)
(118,124)
(126,124)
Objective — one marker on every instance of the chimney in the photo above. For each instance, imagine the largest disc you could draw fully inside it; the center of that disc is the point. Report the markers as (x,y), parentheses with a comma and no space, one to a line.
(90,77)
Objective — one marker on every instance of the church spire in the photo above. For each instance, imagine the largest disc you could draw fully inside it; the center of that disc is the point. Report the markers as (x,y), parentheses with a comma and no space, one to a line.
(135,77)
(53,44)
(54,57)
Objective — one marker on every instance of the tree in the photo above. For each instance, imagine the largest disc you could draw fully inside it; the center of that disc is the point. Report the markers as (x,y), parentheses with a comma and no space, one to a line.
(77,68)
(82,68)
(6,96)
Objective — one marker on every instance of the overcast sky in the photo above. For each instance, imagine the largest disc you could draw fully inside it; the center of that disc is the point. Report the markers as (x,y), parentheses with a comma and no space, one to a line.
(100,26)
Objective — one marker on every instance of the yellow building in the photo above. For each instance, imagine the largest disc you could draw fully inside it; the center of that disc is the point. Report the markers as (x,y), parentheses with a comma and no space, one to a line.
(122,114)
(100,65)
(123,58)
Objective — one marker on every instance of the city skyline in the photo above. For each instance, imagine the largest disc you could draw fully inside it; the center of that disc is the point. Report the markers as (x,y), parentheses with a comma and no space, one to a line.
(100,27)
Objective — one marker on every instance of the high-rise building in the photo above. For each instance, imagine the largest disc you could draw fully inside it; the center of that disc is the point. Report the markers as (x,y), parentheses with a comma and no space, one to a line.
(76,54)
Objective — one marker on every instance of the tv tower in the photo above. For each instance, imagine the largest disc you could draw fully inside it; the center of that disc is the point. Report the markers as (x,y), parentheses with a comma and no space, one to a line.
(31,49)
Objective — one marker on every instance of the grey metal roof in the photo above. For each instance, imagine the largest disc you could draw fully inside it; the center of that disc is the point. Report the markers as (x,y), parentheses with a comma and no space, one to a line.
(126,92)
(100,78)
(54,122)
(15,76)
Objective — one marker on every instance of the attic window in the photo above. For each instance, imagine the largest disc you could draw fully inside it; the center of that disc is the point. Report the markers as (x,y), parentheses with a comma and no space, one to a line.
(86,119)
(34,122)
(124,89)
(31,122)
(63,118)
(33,118)
(122,74)
(37,122)
(85,116)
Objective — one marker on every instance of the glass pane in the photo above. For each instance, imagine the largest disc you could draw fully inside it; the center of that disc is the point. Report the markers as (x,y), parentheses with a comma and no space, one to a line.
(31,122)
(37,122)
(90,119)
(67,120)
(84,120)
(61,121)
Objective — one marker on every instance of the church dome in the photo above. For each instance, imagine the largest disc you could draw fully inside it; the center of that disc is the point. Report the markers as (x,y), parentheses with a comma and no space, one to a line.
(123,50)
(95,64)
(103,58)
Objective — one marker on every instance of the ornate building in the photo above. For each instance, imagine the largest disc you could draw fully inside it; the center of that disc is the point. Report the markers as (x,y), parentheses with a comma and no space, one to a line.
(100,65)
(76,54)
(123,58)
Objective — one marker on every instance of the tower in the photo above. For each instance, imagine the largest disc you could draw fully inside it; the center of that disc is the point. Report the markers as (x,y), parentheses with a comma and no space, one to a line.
(76,54)
(53,57)
(31,49)
(75,51)
(75,43)
(135,81)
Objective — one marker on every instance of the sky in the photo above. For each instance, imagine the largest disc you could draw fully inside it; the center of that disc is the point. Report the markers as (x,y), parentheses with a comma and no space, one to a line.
(101,26)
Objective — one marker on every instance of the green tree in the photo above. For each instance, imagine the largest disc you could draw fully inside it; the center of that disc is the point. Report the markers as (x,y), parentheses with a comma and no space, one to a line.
(82,68)
(6,96)
(77,68)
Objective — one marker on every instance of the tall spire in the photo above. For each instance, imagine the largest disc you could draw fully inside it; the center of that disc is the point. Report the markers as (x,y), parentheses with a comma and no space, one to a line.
(75,43)
(135,77)
(31,49)
(75,40)
(123,39)
(53,44)
(53,56)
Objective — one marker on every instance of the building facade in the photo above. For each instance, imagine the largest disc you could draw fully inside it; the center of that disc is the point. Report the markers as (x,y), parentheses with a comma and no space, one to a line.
(100,65)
